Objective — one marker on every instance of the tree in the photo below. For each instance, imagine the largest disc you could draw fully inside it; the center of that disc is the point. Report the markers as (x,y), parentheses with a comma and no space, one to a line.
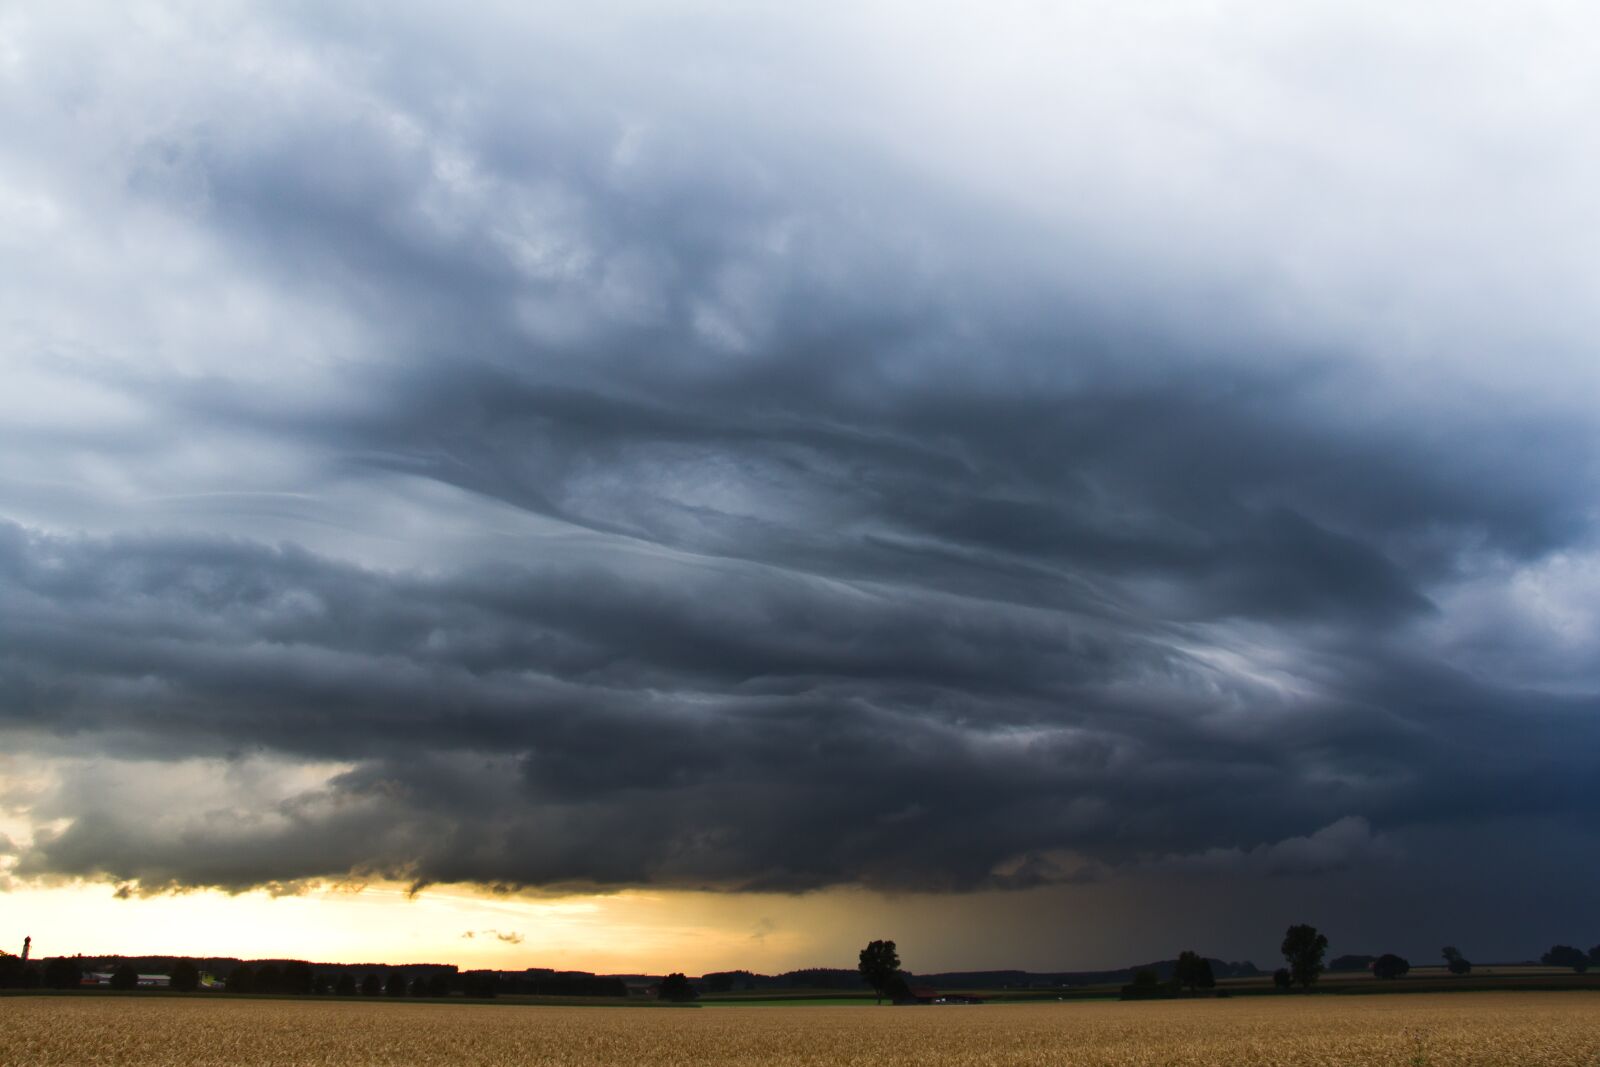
(1594,956)
(1194,970)
(185,976)
(296,977)
(63,972)
(1389,965)
(10,970)
(880,963)
(1453,959)
(1566,956)
(1303,948)
(676,987)
(438,984)
(1281,978)
(242,980)
(397,984)
(125,977)
(480,984)
(268,979)
(346,985)
(371,985)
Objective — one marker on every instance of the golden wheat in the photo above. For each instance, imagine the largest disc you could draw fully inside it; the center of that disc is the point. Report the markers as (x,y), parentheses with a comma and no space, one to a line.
(1405,1031)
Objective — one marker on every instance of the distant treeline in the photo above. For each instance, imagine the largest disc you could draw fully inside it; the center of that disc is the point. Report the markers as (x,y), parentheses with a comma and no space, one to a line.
(302,978)
(829,978)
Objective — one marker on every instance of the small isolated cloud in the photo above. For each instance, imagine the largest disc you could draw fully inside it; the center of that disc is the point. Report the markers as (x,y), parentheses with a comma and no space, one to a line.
(510,937)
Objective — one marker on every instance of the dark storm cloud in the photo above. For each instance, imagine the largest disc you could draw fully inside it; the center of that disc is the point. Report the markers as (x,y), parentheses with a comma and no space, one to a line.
(705,724)
(695,498)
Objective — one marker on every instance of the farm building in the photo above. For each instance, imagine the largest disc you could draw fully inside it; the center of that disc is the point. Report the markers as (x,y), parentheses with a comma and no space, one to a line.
(929,995)
(146,981)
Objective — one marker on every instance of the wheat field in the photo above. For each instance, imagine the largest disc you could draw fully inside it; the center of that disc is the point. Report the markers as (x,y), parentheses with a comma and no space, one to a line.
(1406,1031)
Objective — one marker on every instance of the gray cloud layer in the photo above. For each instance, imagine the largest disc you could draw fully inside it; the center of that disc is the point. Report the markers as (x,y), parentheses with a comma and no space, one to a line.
(627,454)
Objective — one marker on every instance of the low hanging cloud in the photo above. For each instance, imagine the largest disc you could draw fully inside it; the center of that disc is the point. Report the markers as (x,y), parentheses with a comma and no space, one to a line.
(540,468)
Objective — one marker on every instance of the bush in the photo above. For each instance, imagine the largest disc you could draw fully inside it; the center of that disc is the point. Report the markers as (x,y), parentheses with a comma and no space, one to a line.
(125,977)
(676,987)
(1389,965)
(1566,956)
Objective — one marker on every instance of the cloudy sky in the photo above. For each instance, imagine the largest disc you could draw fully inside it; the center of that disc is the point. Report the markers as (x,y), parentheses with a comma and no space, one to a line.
(699,485)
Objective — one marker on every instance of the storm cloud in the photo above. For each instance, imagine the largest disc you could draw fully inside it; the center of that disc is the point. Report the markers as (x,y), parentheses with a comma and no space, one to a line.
(699,451)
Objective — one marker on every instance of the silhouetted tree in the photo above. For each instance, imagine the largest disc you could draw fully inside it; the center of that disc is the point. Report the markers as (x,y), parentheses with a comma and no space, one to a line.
(1194,970)
(1303,948)
(296,977)
(268,979)
(397,984)
(371,985)
(185,976)
(480,984)
(879,963)
(676,987)
(10,970)
(1281,978)
(346,985)
(63,972)
(1389,965)
(1566,956)
(125,977)
(1454,960)
(241,980)
(438,984)
(1594,956)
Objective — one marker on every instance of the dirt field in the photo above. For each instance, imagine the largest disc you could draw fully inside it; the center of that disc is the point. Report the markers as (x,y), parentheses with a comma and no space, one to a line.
(1406,1031)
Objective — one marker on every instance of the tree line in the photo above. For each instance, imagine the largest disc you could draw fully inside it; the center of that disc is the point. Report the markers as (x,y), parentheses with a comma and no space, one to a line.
(1304,950)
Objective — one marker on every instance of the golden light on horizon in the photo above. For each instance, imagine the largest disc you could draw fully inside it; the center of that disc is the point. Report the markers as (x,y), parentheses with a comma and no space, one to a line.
(630,931)
(633,931)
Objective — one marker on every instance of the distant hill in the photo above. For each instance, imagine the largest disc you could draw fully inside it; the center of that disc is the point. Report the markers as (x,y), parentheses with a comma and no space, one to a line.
(1055,979)
(830,978)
